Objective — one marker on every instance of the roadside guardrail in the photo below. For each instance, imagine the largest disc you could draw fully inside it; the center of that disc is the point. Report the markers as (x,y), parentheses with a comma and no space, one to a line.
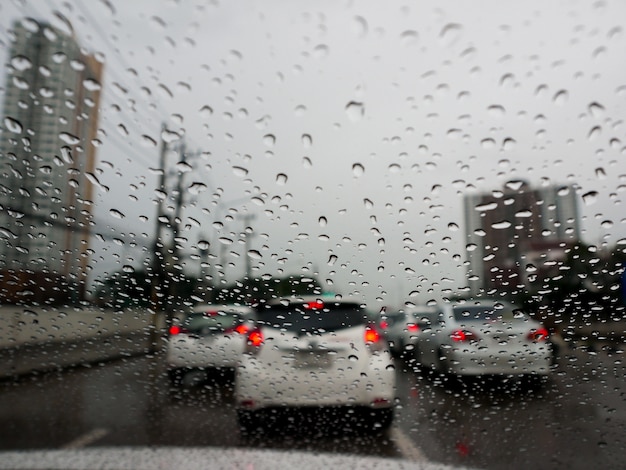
(48,338)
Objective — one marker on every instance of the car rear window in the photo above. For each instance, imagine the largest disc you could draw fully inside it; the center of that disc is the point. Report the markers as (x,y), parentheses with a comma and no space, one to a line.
(486,313)
(210,322)
(309,317)
(394,318)
(426,318)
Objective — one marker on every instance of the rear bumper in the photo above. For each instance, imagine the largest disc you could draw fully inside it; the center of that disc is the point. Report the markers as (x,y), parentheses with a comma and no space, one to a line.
(523,362)
(326,419)
(191,353)
(259,386)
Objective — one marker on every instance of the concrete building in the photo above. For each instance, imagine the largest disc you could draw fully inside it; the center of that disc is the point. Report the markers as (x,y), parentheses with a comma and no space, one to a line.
(518,234)
(47,155)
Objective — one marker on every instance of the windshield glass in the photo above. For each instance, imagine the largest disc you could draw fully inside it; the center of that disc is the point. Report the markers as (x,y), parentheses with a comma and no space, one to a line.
(487,313)
(210,323)
(393,318)
(179,177)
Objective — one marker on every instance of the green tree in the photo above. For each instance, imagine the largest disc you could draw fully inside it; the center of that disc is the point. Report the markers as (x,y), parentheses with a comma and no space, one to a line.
(589,287)
(254,290)
(125,289)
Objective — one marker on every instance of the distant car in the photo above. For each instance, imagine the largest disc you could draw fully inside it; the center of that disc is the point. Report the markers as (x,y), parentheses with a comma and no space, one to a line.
(483,337)
(402,328)
(209,337)
(392,325)
(315,352)
(399,331)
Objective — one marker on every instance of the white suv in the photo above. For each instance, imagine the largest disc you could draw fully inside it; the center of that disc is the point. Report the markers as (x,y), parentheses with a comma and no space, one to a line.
(315,352)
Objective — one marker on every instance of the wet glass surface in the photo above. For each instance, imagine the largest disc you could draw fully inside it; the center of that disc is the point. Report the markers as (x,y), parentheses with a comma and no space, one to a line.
(157,157)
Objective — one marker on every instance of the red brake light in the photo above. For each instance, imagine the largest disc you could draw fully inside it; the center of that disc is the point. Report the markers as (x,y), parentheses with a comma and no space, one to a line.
(384,325)
(254,341)
(379,402)
(373,339)
(462,336)
(413,327)
(540,334)
(175,329)
(371,335)
(316,305)
(255,338)
(242,329)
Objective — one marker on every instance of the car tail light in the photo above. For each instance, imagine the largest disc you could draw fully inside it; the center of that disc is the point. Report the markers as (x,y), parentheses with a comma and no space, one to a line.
(373,338)
(413,327)
(463,336)
(315,305)
(380,402)
(540,334)
(254,341)
(240,329)
(384,324)
(371,335)
(176,330)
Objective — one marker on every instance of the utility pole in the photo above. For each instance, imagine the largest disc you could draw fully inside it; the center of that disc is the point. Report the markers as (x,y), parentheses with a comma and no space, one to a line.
(158,290)
(177,219)
(178,205)
(221,253)
(174,285)
(206,281)
(248,237)
(247,218)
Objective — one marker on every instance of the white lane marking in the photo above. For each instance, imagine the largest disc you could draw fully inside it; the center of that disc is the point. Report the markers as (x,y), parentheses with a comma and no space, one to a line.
(408,450)
(86,439)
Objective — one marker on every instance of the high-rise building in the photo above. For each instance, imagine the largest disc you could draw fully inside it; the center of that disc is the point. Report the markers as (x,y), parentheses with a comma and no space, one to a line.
(47,155)
(518,233)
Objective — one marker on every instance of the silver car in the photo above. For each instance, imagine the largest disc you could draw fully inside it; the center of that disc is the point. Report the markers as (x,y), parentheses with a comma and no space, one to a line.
(209,337)
(402,328)
(483,337)
(393,326)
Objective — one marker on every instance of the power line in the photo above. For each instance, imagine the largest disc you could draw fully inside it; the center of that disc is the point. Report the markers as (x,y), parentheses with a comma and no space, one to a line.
(123,83)
(119,57)
(129,149)
(35,13)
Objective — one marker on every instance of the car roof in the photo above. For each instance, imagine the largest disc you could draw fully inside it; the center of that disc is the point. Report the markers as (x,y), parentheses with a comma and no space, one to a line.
(482,303)
(422,309)
(314,298)
(230,308)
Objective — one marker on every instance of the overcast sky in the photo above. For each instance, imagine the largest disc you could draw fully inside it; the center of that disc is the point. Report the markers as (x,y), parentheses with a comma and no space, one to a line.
(352,130)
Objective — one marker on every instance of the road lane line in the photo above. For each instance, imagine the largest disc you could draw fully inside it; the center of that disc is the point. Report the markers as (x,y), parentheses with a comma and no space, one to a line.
(86,439)
(408,450)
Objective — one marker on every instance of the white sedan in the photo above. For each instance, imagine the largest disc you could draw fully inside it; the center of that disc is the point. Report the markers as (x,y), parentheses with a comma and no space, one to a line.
(209,337)
(481,338)
(315,352)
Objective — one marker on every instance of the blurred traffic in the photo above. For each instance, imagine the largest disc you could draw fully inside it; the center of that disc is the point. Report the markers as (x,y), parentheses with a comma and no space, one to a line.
(388,230)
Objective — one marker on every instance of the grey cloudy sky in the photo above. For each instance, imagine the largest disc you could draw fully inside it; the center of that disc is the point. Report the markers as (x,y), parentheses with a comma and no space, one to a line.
(354,128)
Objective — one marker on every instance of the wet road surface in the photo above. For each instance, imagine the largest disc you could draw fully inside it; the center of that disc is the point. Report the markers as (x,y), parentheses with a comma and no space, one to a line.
(576,420)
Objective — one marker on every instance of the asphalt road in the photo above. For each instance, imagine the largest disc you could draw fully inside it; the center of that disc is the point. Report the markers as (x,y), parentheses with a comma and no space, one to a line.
(577,420)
